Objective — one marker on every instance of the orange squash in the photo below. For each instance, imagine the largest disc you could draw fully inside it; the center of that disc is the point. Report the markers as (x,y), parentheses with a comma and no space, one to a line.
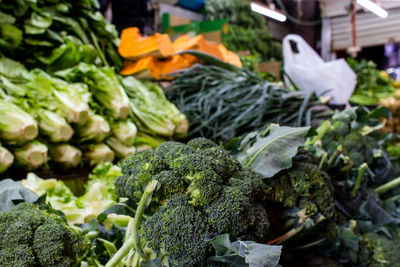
(229,56)
(133,46)
(141,68)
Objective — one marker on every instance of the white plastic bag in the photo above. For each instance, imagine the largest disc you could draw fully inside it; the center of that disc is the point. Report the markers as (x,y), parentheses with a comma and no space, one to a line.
(310,73)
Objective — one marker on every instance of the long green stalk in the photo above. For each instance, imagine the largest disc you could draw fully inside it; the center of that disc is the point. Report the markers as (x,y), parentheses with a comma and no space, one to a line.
(388,186)
(133,240)
(360,175)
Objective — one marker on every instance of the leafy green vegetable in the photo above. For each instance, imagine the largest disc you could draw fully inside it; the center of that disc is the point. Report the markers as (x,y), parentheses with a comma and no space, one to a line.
(121,150)
(259,152)
(57,35)
(371,85)
(11,191)
(95,129)
(15,124)
(247,30)
(31,155)
(222,104)
(151,109)
(6,159)
(244,253)
(104,85)
(54,126)
(125,131)
(98,153)
(65,155)
(98,196)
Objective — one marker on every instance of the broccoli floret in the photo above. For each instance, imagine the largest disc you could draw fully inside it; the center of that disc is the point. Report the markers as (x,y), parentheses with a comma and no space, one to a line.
(340,127)
(201,143)
(221,161)
(383,251)
(167,147)
(303,183)
(353,141)
(203,186)
(235,212)
(18,256)
(138,170)
(33,237)
(178,228)
(170,183)
(171,152)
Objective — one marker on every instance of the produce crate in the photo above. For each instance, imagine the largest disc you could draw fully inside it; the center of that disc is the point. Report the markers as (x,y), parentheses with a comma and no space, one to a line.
(213,31)
(272,67)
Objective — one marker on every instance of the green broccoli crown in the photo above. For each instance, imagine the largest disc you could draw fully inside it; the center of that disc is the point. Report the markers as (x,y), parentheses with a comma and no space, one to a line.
(178,228)
(32,237)
(201,192)
(138,170)
(221,161)
(202,171)
(303,186)
(236,212)
(383,250)
(340,127)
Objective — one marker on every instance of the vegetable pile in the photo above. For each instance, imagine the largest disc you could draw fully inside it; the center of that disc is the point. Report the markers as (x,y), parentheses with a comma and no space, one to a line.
(247,29)
(55,35)
(372,85)
(281,195)
(91,115)
(33,235)
(224,103)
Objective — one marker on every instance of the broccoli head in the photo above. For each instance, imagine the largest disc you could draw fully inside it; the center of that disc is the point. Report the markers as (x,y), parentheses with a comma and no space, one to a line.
(201,191)
(236,212)
(138,170)
(221,161)
(179,229)
(304,185)
(33,237)
(383,251)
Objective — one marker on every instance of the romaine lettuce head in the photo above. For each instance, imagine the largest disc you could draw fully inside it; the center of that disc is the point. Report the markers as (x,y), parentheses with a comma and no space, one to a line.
(16,124)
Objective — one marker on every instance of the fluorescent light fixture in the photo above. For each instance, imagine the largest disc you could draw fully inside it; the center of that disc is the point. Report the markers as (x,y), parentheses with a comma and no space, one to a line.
(374,8)
(267,12)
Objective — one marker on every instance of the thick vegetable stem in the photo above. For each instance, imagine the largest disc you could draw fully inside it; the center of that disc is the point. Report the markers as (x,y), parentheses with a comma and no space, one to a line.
(133,240)
(388,186)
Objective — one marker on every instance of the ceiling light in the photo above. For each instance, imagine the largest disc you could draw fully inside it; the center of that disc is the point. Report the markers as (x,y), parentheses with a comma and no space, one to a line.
(267,12)
(374,8)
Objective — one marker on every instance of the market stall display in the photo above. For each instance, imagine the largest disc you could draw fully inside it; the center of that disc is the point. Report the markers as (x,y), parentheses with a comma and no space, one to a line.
(263,175)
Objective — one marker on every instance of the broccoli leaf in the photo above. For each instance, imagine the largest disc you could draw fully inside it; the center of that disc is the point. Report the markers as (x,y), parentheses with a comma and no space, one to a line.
(11,190)
(127,207)
(244,253)
(258,255)
(267,155)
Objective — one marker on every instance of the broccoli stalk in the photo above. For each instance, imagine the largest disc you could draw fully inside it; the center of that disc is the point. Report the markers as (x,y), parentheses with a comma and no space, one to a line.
(294,231)
(388,186)
(361,171)
(132,233)
(334,156)
(323,160)
(322,130)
